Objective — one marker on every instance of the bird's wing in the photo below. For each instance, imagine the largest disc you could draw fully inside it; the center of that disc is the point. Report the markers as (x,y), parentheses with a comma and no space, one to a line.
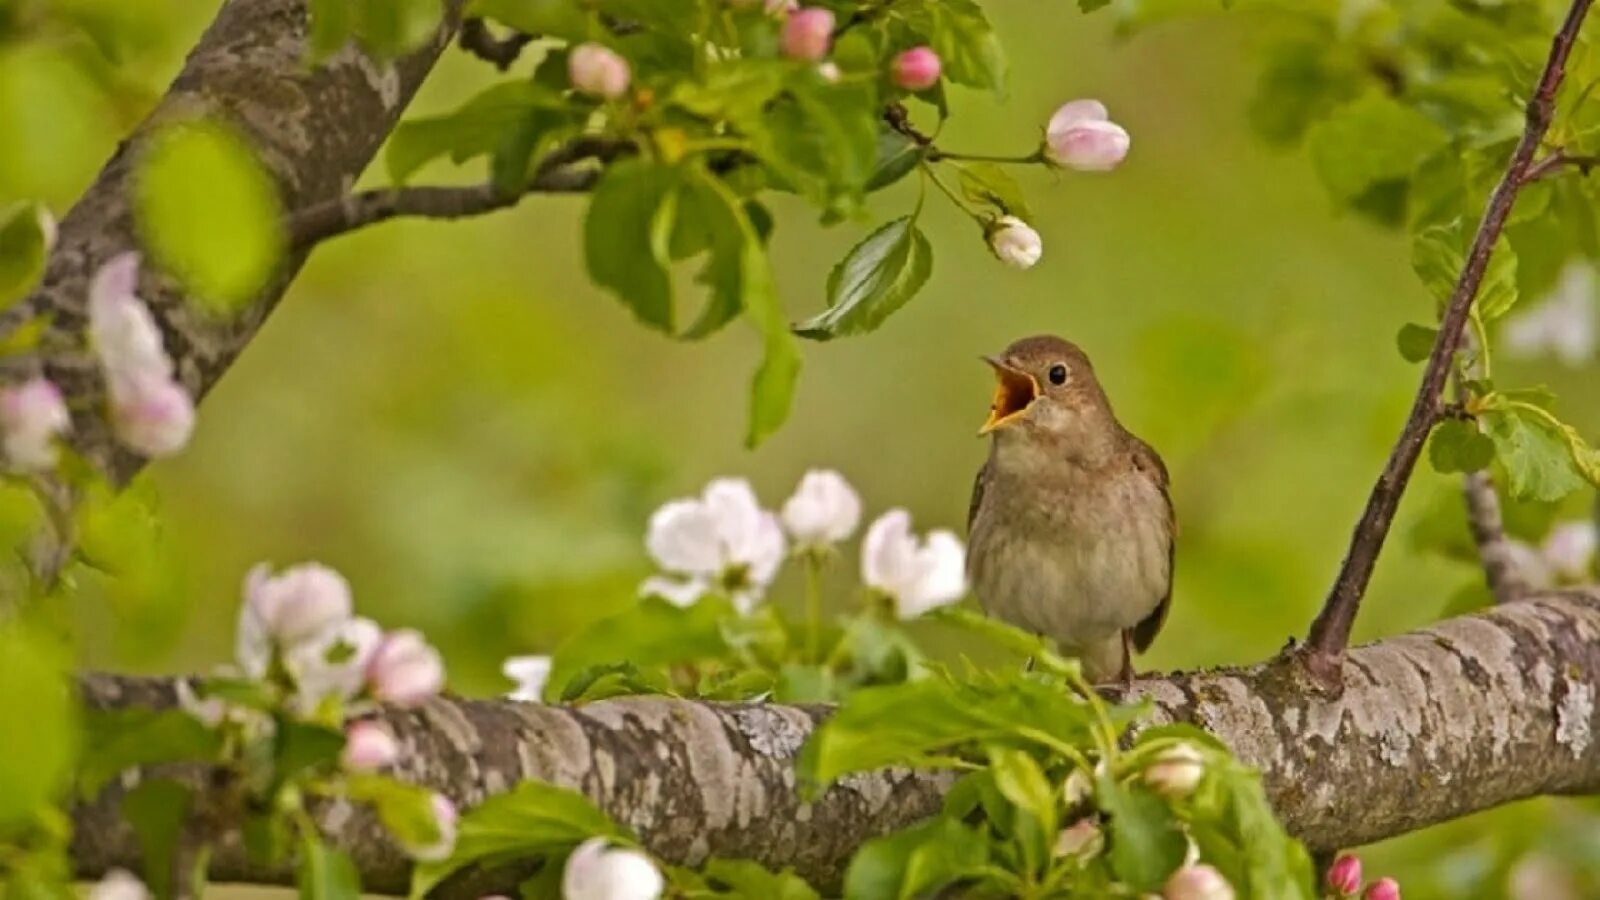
(978,485)
(1149,463)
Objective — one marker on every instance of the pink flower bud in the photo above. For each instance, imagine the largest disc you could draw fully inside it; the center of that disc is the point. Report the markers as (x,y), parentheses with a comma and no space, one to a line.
(150,412)
(1382,889)
(1197,883)
(368,747)
(807,34)
(1015,242)
(405,670)
(917,69)
(1344,876)
(444,817)
(1176,772)
(598,71)
(123,332)
(1083,838)
(1080,136)
(32,416)
(299,605)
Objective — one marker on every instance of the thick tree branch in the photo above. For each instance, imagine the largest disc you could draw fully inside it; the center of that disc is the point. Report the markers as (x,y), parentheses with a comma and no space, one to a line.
(1470,714)
(1330,632)
(315,128)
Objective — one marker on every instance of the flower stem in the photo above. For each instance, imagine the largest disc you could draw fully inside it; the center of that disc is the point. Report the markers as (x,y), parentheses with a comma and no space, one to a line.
(955,198)
(813,607)
(937,155)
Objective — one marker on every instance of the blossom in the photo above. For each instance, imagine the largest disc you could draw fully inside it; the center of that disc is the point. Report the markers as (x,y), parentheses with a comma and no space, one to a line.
(1344,876)
(123,332)
(213,712)
(1382,889)
(596,871)
(807,34)
(1176,771)
(119,884)
(1083,839)
(1569,549)
(368,747)
(404,669)
(1076,788)
(598,71)
(151,413)
(530,673)
(1015,242)
(299,604)
(1197,882)
(917,575)
(444,821)
(824,509)
(1563,325)
(32,416)
(721,540)
(334,663)
(916,69)
(1081,136)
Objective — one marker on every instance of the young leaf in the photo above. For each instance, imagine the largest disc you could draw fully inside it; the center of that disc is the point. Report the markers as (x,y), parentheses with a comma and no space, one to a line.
(1415,341)
(22,250)
(1535,455)
(897,156)
(405,810)
(481,126)
(326,873)
(874,280)
(36,702)
(1020,779)
(1146,843)
(966,43)
(743,878)
(120,739)
(157,810)
(533,819)
(1458,446)
(302,746)
(1438,254)
(209,212)
(914,862)
(626,234)
(1374,140)
(648,634)
(987,183)
(563,19)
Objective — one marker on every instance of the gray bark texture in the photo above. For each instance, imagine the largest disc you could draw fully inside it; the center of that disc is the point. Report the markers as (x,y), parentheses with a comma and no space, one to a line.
(1470,714)
(316,129)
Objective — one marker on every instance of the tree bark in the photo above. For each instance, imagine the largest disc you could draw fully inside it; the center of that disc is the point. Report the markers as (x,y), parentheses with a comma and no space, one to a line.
(316,129)
(1470,714)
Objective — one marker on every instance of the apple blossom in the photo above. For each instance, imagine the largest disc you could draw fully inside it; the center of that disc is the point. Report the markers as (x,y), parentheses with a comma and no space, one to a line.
(598,71)
(32,416)
(1082,839)
(124,334)
(298,604)
(1569,549)
(823,510)
(597,871)
(1562,325)
(807,34)
(530,673)
(1382,889)
(1197,882)
(151,412)
(119,884)
(722,540)
(1081,136)
(1344,876)
(917,575)
(1176,771)
(405,670)
(1015,242)
(916,69)
(334,663)
(368,746)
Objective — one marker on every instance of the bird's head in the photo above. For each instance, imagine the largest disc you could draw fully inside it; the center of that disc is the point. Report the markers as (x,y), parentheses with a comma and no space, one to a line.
(1046,390)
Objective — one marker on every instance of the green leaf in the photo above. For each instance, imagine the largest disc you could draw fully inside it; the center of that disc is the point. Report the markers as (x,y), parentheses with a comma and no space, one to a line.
(156,810)
(1416,341)
(1438,255)
(22,250)
(603,682)
(301,747)
(897,156)
(1374,140)
(1538,462)
(120,739)
(987,183)
(532,820)
(209,212)
(518,109)
(1458,446)
(821,141)
(743,878)
(1147,845)
(36,701)
(876,278)
(563,19)
(649,634)
(384,28)
(915,862)
(966,43)
(626,234)
(1020,779)
(405,810)
(326,873)
(332,23)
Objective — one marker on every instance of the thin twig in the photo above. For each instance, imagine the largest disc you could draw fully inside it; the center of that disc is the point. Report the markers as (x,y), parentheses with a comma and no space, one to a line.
(558,173)
(1501,571)
(477,39)
(1558,159)
(1330,632)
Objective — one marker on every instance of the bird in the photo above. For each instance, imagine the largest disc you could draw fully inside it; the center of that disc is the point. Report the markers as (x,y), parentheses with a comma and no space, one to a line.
(1071,525)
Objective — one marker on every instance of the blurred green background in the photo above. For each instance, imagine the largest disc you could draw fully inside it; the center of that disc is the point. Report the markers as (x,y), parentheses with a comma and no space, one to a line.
(452,416)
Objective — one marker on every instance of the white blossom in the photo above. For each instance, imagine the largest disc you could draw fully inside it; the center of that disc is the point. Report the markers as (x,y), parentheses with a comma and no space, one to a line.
(722,540)
(119,884)
(824,509)
(1015,242)
(32,416)
(596,871)
(1195,882)
(405,670)
(299,604)
(1569,549)
(333,663)
(1176,771)
(918,575)
(1082,136)
(150,412)
(123,332)
(530,673)
(1562,325)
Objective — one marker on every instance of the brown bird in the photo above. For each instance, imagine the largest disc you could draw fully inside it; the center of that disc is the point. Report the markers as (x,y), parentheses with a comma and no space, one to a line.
(1071,526)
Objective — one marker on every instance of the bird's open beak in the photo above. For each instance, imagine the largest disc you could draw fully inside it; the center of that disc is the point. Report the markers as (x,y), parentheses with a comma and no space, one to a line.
(1014,390)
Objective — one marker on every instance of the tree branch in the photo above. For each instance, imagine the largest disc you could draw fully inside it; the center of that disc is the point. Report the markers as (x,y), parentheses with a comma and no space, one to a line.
(557,173)
(316,129)
(1330,632)
(477,39)
(1470,714)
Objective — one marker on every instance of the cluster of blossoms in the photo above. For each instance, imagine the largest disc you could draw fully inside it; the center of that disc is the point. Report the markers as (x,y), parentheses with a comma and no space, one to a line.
(297,636)
(1566,556)
(150,411)
(1344,880)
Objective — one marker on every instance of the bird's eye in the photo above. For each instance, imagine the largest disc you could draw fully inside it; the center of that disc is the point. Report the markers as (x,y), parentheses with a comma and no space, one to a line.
(1058,374)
